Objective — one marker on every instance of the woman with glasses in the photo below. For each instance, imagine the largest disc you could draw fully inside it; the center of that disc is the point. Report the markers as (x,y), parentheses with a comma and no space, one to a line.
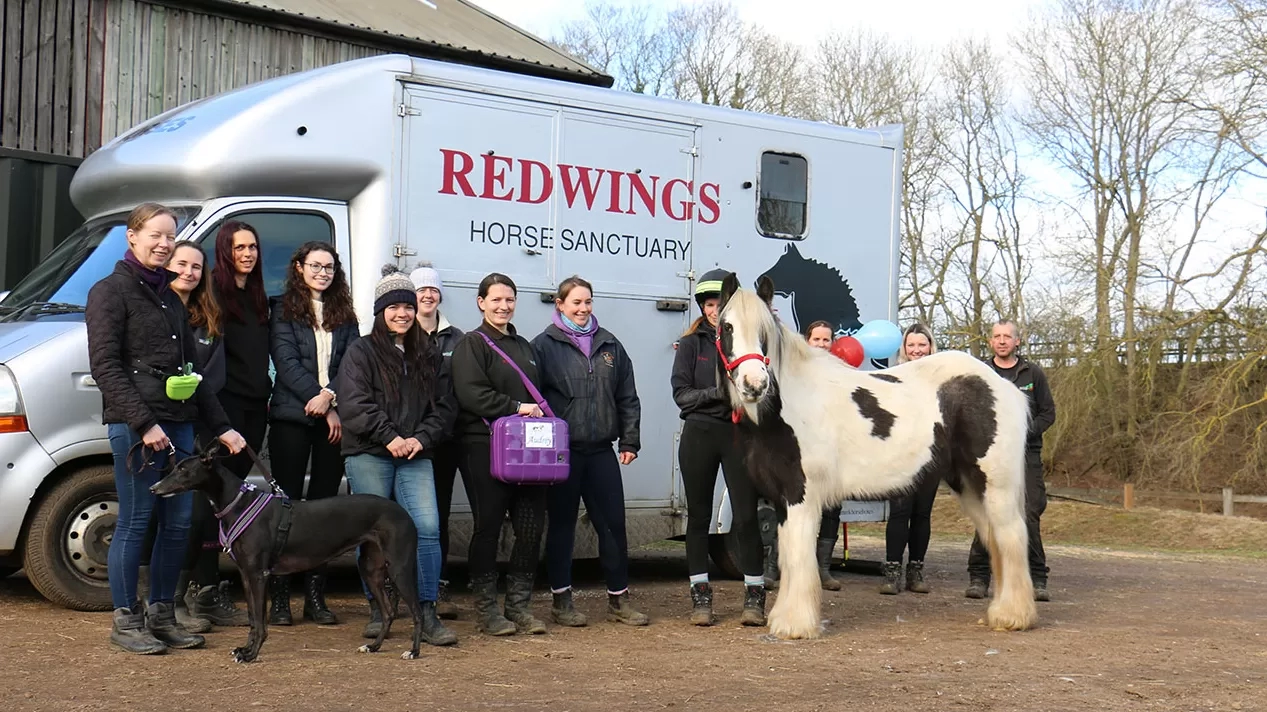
(313,323)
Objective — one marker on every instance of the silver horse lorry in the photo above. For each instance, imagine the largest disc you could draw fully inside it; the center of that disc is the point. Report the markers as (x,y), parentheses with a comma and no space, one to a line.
(399,159)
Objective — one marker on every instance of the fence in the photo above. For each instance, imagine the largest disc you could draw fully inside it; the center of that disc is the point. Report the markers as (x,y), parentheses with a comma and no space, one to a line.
(1127,496)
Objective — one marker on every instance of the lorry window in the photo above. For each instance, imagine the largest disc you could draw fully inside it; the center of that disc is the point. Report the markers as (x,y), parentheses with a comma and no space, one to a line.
(281,233)
(783,195)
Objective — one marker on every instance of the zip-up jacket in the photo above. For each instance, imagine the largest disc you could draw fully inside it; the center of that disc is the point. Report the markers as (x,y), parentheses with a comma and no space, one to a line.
(596,396)
(293,346)
(446,338)
(373,414)
(211,355)
(486,386)
(1029,377)
(694,378)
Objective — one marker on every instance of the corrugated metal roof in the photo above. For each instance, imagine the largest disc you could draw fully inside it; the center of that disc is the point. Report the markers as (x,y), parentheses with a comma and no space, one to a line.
(453,24)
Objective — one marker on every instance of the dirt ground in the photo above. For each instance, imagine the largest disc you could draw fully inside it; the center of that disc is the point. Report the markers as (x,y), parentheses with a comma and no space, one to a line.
(1124,631)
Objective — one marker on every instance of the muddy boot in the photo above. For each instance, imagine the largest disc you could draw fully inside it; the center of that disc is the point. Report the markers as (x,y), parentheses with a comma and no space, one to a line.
(753,606)
(892,578)
(375,625)
(1040,590)
(183,617)
(564,613)
(160,620)
(487,618)
(216,605)
(519,605)
(130,635)
(445,607)
(771,574)
(825,549)
(315,608)
(279,605)
(433,631)
(621,611)
(915,577)
(977,588)
(701,604)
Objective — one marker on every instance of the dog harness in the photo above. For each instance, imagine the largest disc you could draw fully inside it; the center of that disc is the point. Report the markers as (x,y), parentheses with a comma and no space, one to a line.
(248,517)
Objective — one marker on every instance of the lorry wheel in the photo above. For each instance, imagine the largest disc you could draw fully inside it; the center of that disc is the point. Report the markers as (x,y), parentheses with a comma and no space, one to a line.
(724,551)
(69,538)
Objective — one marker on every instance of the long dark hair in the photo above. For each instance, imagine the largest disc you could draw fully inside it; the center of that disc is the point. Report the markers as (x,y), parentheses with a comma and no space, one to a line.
(224,275)
(336,301)
(204,310)
(421,361)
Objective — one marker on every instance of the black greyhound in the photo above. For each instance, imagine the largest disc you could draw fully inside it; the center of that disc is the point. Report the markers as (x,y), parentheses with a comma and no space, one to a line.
(282,537)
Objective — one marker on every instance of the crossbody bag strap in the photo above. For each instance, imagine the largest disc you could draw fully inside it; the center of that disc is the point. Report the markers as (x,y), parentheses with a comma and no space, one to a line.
(532,390)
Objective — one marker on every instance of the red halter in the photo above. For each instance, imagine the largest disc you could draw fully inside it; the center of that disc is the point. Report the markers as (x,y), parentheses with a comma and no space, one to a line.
(732,365)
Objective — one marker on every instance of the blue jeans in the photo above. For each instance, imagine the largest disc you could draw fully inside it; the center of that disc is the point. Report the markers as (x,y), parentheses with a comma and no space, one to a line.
(413,485)
(595,478)
(136,505)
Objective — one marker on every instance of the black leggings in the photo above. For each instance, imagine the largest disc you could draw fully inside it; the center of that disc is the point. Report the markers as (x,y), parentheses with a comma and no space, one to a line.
(911,521)
(705,445)
(447,460)
(492,500)
(290,445)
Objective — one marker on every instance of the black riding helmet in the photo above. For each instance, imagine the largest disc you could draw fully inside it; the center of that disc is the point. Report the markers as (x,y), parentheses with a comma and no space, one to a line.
(709,285)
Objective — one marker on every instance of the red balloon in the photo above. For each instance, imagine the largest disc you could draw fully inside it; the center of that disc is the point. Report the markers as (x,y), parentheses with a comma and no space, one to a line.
(847,349)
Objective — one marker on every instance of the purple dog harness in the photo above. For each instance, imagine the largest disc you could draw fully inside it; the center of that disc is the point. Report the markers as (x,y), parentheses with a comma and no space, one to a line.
(248,517)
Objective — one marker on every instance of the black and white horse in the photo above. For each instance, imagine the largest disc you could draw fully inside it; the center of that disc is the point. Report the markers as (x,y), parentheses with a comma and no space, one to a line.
(817,432)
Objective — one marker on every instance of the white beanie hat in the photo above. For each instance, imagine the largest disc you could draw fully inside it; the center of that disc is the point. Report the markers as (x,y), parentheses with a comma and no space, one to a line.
(427,276)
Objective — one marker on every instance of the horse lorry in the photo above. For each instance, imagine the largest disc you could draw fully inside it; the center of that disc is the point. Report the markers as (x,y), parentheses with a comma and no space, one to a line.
(398,159)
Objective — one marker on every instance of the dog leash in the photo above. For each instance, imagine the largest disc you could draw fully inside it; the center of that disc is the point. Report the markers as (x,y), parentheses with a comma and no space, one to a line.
(268,475)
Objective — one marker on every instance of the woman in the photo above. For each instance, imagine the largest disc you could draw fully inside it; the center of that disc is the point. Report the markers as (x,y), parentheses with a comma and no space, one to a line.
(910,515)
(488,388)
(312,325)
(395,411)
(708,441)
(588,380)
(138,338)
(447,456)
(819,335)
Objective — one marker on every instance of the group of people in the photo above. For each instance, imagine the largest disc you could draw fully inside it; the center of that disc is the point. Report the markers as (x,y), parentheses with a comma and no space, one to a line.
(400,412)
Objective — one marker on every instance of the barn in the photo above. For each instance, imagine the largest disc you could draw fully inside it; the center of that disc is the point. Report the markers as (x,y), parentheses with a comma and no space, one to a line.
(76,73)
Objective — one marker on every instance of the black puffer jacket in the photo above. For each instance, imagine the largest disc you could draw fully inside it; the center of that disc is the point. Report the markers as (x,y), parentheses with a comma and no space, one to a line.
(373,416)
(486,386)
(596,396)
(694,378)
(136,337)
(293,346)
(211,355)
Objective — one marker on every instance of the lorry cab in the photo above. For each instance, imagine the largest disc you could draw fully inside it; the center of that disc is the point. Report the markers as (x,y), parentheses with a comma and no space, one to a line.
(397,159)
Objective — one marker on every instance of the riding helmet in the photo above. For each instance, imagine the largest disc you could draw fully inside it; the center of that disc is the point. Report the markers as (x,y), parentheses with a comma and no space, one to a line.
(709,285)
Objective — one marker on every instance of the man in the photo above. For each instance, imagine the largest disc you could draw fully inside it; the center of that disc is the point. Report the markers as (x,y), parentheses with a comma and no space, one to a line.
(1027,376)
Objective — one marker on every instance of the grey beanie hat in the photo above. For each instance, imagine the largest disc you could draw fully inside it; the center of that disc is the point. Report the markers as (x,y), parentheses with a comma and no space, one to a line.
(427,276)
(394,288)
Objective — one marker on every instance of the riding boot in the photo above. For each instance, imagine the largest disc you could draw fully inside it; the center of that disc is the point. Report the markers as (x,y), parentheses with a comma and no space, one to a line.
(915,577)
(160,620)
(892,578)
(519,604)
(564,613)
(315,608)
(376,623)
(1040,590)
(279,607)
(621,611)
(825,548)
(130,635)
(445,607)
(188,622)
(216,605)
(977,588)
(487,618)
(753,606)
(433,631)
(701,604)
(771,574)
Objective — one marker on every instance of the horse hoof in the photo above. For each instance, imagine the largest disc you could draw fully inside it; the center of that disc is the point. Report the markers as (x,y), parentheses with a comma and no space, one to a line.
(364,649)
(242,655)
(409,655)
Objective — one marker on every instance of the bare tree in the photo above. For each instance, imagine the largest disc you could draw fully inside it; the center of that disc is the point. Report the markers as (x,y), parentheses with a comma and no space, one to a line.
(629,42)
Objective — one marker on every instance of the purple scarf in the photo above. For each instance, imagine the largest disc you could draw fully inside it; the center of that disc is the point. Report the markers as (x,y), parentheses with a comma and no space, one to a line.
(155,278)
(581,336)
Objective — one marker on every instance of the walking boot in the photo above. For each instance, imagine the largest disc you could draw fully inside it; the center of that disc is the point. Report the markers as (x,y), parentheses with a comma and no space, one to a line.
(701,604)
(433,631)
(519,605)
(445,607)
(376,623)
(621,611)
(183,617)
(892,578)
(753,606)
(1040,590)
(315,608)
(915,577)
(130,635)
(160,620)
(771,574)
(825,549)
(564,613)
(279,605)
(216,605)
(487,618)
(977,588)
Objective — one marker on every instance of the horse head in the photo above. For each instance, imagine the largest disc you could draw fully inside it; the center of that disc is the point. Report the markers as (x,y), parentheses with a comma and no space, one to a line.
(746,334)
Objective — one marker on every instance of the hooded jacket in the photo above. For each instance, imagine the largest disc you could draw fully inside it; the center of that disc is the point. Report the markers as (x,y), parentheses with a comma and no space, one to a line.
(372,418)
(595,395)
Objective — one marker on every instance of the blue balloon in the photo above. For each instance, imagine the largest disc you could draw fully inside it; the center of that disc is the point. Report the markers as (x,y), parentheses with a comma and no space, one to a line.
(879,338)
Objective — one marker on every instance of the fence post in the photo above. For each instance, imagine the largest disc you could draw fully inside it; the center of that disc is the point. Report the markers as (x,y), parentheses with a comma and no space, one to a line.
(1128,496)
(1227,501)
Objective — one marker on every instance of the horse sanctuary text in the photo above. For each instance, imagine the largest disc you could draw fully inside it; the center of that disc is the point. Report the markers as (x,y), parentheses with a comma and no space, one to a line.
(542,237)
